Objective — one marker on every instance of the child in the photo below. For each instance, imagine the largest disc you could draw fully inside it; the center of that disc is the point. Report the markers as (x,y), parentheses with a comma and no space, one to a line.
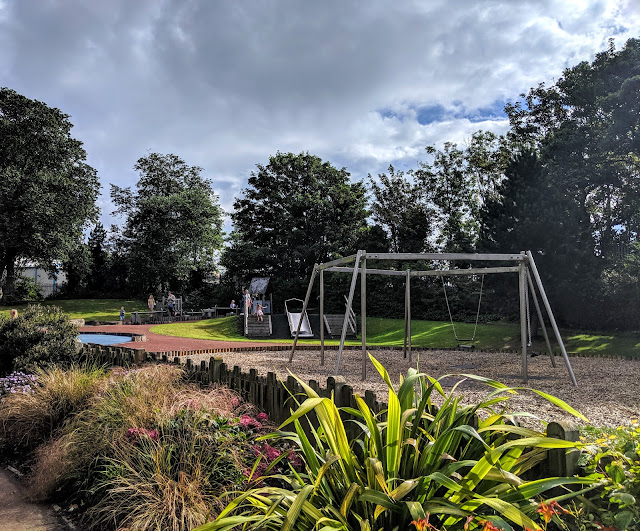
(121,314)
(260,313)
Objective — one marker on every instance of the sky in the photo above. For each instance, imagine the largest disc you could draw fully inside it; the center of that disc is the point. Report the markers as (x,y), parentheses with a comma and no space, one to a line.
(226,84)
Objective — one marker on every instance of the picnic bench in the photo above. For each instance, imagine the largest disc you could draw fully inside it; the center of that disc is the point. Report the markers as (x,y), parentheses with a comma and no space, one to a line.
(217,311)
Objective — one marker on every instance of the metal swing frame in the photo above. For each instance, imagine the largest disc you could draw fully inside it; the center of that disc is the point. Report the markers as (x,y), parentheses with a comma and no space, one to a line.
(356,265)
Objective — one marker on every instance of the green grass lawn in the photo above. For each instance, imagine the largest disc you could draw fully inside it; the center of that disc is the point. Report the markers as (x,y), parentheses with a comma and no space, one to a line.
(90,309)
(389,332)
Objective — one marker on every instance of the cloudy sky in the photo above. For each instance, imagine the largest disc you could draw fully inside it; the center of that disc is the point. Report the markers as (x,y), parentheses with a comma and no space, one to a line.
(226,84)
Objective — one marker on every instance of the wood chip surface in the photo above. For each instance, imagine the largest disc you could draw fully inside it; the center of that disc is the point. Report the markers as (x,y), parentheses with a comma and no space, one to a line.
(607,392)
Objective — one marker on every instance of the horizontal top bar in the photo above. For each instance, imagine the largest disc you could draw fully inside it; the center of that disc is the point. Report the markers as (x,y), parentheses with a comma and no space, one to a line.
(446,256)
(430,273)
(338,261)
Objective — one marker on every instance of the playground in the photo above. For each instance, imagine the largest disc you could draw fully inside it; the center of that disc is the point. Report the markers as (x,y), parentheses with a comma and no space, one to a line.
(603,403)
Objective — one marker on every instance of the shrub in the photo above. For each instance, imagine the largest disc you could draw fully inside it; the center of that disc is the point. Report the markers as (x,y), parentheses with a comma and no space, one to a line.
(438,467)
(41,336)
(26,290)
(613,458)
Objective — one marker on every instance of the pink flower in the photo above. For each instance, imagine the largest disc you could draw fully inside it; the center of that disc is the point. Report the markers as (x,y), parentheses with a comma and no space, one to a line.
(270,452)
(295,460)
(247,422)
(262,417)
(235,402)
(135,434)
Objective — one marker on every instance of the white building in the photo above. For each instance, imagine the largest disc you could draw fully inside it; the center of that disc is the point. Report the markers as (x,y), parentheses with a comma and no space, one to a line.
(48,284)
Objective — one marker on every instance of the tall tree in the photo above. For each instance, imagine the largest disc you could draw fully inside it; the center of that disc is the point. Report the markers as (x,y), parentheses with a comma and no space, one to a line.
(451,191)
(586,128)
(47,190)
(296,211)
(173,225)
(400,207)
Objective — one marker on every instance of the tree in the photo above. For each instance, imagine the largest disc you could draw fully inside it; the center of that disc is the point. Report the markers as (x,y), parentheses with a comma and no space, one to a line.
(400,207)
(451,191)
(173,226)
(47,191)
(97,281)
(585,130)
(296,211)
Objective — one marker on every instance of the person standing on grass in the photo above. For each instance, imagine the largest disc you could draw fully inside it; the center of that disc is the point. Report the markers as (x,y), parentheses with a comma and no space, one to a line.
(121,314)
(151,302)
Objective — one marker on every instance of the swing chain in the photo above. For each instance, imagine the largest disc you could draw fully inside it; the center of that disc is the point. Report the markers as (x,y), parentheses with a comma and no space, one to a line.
(453,327)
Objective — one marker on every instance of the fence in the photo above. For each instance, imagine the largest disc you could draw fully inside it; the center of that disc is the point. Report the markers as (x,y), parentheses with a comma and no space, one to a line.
(278,398)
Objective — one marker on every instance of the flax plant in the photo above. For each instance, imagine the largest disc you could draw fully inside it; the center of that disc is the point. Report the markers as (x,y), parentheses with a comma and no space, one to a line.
(452,466)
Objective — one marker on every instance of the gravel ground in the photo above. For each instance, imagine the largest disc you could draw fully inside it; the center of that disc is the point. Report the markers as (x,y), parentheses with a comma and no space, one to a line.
(607,392)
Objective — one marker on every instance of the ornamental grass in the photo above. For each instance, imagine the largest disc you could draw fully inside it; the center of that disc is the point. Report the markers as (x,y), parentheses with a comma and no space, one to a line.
(136,449)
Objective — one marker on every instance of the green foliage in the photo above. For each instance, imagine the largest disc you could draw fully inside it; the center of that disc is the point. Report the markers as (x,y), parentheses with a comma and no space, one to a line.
(296,211)
(173,224)
(47,191)
(27,290)
(613,457)
(400,207)
(410,461)
(584,130)
(41,336)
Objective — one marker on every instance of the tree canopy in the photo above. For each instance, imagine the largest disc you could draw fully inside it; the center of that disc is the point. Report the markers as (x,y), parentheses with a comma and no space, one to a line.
(296,211)
(173,226)
(47,190)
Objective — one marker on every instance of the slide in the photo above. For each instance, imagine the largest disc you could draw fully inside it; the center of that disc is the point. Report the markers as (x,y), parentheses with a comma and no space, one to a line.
(294,319)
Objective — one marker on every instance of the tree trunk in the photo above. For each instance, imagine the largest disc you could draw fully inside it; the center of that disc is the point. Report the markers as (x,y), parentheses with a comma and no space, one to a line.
(9,265)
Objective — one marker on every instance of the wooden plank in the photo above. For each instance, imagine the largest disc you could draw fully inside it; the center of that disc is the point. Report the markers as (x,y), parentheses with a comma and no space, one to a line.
(363,316)
(433,272)
(322,317)
(552,319)
(304,311)
(539,312)
(339,261)
(346,313)
(523,321)
(406,312)
(409,314)
(447,256)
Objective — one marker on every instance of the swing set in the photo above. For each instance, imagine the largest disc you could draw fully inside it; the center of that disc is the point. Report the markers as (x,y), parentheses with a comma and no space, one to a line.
(523,264)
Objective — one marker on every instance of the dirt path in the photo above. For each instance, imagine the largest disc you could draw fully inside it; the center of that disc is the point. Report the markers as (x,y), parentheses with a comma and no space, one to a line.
(18,514)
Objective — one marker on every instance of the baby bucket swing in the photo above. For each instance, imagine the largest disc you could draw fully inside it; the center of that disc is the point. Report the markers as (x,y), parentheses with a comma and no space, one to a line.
(463,342)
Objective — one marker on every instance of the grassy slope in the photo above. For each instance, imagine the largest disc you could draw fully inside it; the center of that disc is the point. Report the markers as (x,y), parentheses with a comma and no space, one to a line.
(90,309)
(431,334)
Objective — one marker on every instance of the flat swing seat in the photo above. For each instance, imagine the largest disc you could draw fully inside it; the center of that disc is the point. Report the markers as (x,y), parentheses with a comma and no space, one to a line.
(466,346)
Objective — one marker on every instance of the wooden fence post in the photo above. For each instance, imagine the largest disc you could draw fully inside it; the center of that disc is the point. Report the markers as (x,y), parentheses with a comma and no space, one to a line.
(562,462)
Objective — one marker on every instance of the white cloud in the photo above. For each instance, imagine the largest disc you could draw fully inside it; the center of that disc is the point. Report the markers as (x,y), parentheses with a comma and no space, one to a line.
(226,84)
